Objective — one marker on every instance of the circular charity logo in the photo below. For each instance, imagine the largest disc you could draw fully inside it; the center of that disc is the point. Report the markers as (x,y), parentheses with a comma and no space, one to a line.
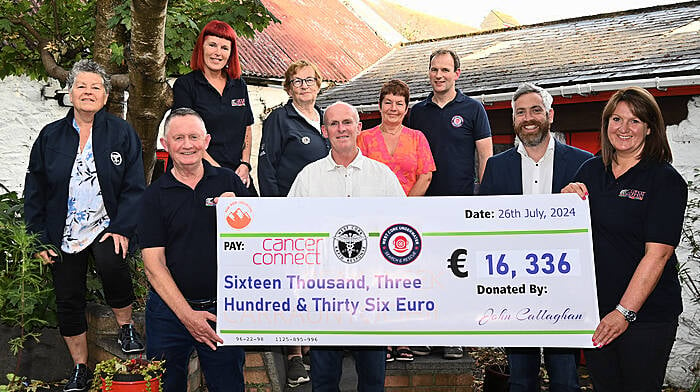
(350,244)
(400,244)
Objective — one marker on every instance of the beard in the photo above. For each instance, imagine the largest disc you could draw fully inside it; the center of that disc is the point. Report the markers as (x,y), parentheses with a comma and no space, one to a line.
(531,139)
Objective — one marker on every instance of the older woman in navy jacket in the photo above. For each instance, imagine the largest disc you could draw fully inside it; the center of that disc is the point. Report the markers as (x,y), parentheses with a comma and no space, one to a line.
(291,136)
(82,189)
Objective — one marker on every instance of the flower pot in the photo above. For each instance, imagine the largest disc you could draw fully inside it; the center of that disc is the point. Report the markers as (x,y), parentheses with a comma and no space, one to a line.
(133,386)
(496,378)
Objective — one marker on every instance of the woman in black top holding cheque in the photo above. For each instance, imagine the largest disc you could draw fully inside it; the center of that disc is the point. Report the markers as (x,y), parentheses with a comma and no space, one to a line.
(216,91)
(637,202)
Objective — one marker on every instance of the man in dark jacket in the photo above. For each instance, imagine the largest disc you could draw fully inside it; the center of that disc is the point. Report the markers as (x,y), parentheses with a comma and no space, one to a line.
(539,164)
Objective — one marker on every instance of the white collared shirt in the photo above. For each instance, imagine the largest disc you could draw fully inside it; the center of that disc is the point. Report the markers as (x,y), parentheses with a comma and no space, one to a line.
(315,124)
(537,176)
(364,177)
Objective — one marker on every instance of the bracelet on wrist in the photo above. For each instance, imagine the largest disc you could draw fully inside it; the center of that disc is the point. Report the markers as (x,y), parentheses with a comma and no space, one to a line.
(246,165)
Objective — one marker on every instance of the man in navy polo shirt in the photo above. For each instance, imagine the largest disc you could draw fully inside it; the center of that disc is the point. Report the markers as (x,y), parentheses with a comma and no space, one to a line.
(455,125)
(177,231)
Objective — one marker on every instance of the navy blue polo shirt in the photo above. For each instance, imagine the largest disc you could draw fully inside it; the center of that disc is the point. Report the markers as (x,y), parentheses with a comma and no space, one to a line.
(225,116)
(645,204)
(178,218)
(452,132)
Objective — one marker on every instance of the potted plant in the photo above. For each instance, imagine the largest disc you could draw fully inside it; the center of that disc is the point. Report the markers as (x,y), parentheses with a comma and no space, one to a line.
(128,375)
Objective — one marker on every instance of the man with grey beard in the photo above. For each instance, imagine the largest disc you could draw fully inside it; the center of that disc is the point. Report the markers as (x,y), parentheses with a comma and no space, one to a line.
(538,164)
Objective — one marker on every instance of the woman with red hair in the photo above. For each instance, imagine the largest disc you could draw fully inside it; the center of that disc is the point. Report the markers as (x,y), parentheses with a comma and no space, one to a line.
(217,92)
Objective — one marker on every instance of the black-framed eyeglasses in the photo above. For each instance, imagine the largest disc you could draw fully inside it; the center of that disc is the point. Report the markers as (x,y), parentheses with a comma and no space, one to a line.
(297,82)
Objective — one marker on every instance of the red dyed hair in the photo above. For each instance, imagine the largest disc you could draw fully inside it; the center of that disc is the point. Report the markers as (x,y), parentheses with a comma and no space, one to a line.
(219,29)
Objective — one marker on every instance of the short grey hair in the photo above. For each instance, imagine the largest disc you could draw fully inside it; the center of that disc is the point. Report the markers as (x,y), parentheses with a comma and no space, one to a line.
(87,65)
(355,113)
(526,88)
(182,112)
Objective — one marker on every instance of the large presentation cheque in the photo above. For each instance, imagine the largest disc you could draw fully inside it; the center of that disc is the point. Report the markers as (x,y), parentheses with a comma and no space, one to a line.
(436,271)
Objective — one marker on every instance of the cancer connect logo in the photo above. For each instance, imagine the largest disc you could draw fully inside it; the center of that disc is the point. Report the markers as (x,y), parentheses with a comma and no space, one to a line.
(400,244)
(239,215)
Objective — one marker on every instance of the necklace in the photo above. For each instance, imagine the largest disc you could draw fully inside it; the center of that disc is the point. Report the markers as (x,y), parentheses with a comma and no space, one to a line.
(381,128)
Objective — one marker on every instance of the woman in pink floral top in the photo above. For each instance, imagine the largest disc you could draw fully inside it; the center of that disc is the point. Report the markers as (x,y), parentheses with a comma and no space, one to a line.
(404,150)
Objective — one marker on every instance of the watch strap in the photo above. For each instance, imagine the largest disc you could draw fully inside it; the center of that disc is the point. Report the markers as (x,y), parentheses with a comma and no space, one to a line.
(630,315)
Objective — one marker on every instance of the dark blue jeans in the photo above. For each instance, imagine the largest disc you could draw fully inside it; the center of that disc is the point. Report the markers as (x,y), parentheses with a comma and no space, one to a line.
(327,368)
(167,338)
(524,363)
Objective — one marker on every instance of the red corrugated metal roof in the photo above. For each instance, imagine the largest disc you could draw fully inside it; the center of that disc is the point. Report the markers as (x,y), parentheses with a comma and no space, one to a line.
(321,31)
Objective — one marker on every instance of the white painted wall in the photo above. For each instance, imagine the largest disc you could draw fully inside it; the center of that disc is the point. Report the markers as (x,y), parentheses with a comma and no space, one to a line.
(684,366)
(23,112)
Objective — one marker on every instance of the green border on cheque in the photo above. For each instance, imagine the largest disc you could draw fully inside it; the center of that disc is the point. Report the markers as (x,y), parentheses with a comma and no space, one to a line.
(267,332)
(426,234)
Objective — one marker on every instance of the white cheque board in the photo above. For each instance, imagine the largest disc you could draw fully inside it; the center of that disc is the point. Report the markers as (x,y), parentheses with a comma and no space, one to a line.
(435,271)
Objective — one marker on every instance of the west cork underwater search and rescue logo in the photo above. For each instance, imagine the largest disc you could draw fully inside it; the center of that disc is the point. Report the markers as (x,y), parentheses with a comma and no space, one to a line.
(457,121)
(239,215)
(400,244)
(350,244)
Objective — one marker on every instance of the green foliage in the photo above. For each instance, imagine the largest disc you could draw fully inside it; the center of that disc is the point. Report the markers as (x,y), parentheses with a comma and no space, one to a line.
(68,26)
(26,297)
(138,279)
(22,384)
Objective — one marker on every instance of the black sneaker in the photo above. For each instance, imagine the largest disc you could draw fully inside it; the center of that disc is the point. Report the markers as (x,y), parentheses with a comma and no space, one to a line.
(78,380)
(306,359)
(296,373)
(453,353)
(129,339)
(420,350)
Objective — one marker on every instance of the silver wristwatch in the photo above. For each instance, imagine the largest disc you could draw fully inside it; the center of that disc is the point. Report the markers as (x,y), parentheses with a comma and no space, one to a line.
(630,315)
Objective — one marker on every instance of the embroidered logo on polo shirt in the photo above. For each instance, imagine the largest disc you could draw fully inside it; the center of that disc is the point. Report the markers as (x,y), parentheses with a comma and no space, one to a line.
(238,102)
(457,121)
(116,158)
(632,194)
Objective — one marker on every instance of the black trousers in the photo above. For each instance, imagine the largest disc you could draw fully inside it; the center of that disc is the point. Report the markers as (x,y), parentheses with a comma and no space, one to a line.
(70,283)
(635,361)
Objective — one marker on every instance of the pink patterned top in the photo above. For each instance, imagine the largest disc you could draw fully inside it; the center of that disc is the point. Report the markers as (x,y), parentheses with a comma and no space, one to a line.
(411,158)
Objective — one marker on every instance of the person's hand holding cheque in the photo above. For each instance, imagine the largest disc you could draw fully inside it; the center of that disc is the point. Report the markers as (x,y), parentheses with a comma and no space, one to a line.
(225,194)
(576,187)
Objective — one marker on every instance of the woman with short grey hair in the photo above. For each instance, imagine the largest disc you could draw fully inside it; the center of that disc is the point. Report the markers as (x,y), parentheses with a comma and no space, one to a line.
(82,189)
